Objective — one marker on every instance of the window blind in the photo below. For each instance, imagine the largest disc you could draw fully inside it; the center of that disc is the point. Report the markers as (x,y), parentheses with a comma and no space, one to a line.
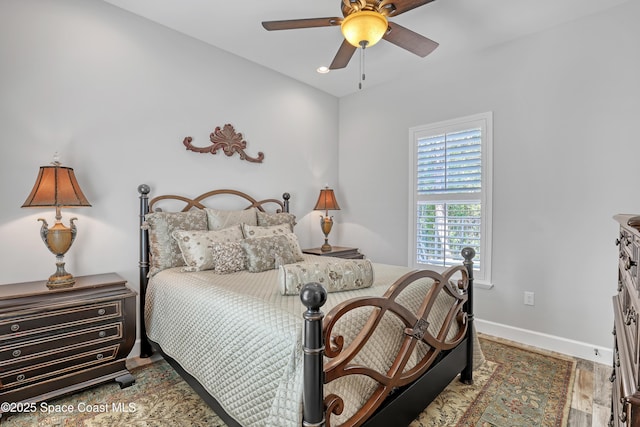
(450,163)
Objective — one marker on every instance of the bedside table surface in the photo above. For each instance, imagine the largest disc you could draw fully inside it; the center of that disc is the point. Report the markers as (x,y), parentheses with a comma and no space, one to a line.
(336,251)
(19,290)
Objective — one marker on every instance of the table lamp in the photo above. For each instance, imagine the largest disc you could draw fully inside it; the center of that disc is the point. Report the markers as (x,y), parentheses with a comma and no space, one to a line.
(326,202)
(56,186)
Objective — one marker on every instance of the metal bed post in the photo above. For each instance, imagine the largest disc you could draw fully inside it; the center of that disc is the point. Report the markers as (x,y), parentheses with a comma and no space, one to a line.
(313,296)
(144,190)
(467,374)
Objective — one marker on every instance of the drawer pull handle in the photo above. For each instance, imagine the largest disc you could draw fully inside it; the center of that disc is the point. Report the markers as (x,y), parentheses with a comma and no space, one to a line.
(102,334)
(16,353)
(630,263)
(99,356)
(20,377)
(15,328)
(102,311)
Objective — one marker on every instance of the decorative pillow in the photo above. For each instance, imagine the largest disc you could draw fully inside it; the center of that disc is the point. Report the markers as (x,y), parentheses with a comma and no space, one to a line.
(228,257)
(250,231)
(261,231)
(263,252)
(218,219)
(165,252)
(195,245)
(265,219)
(333,276)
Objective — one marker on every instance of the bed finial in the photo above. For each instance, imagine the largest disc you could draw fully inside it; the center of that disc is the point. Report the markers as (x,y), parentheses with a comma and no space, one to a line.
(468,253)
(144,189)
(313,296)
(286,197)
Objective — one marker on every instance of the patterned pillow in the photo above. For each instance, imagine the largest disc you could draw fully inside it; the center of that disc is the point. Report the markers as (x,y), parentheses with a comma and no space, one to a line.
(228,257)
(333,276)
(250,231)
(218,219)
(262,252)
(164,250)
(262,231)
(195,245)
(265,219)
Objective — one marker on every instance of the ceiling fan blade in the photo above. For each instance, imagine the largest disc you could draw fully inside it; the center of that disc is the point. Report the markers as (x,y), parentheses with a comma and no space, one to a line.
(343,56)
(396,7)
(293,24)
(409,40)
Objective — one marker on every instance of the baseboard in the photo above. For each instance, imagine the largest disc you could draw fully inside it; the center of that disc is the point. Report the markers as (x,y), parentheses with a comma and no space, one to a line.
(562,345)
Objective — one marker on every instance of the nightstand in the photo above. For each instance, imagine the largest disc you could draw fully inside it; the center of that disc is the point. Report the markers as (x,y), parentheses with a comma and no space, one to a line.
(336,251)
(55,342)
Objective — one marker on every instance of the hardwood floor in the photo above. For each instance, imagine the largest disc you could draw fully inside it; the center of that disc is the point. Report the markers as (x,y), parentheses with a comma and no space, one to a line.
(591,401)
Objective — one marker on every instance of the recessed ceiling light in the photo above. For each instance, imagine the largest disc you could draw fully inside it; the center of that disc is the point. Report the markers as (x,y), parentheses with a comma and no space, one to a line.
(323,70)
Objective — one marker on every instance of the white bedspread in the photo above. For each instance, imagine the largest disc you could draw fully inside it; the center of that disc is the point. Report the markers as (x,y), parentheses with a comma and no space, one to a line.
(242,339)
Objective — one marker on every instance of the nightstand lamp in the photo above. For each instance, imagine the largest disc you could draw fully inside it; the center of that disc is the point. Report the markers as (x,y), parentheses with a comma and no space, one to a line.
(56,186)
(326,202)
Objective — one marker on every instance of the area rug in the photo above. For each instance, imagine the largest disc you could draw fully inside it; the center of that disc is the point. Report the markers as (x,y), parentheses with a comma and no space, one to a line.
(516,386)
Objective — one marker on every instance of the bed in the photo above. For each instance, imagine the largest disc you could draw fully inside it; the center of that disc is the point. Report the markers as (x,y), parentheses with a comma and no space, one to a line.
(251,337)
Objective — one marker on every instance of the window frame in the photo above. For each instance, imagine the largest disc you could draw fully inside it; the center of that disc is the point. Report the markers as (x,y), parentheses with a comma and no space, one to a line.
(485,122)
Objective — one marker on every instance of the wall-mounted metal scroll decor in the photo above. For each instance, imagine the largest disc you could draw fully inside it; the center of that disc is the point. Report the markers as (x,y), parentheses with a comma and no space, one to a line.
(229,140)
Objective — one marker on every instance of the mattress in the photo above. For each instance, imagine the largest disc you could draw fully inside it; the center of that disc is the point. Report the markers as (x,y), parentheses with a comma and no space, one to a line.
(242,339)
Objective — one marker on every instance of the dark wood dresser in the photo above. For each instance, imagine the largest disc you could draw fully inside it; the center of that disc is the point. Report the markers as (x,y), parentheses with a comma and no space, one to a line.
(336,251)
(625,405)
(55,342)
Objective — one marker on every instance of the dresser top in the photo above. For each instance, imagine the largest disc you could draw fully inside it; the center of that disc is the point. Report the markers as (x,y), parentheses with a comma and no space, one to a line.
(18,290)
(629,221)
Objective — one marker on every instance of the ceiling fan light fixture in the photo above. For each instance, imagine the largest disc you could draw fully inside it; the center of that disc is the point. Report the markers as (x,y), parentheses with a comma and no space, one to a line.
(364,26)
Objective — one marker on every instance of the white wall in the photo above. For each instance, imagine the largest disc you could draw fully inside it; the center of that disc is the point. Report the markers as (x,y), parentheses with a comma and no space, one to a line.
(116,95)
(111,91)
(565,103)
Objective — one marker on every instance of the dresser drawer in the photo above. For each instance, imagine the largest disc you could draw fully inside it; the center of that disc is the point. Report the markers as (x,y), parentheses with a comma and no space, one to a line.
(39,323)
(18,354)
(56,367)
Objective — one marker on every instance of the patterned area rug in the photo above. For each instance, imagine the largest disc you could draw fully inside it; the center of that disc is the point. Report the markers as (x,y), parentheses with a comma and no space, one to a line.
(516,386)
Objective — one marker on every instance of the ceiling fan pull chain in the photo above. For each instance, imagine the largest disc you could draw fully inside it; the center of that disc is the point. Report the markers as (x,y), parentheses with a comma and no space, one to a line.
(363,45)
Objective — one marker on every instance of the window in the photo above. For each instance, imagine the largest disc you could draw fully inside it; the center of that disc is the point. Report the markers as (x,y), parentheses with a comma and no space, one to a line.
(451,193)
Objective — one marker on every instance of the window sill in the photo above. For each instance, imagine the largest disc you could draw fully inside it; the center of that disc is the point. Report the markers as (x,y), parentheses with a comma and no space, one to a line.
(479,284)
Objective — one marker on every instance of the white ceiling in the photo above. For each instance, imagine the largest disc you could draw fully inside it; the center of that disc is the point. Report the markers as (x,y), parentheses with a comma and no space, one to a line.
(460,26)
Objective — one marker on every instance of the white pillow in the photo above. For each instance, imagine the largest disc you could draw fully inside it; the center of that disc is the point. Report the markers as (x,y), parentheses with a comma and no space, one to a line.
(217,219)
(195,245)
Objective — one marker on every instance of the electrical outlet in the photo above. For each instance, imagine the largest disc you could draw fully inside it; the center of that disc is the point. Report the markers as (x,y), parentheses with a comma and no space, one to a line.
(528,298)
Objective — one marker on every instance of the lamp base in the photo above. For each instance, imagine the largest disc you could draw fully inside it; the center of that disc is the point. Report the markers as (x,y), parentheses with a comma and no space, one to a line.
(60,279)
(326,247)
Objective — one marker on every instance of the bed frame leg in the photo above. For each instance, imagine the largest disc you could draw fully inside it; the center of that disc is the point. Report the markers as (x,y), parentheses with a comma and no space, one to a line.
(313,296)
(467,373)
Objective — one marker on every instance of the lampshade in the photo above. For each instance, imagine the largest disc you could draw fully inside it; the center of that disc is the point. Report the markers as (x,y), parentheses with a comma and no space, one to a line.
(364,26)
(56,186)
(327,201)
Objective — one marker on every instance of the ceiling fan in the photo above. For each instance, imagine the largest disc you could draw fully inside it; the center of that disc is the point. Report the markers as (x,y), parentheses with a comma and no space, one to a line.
(364,24)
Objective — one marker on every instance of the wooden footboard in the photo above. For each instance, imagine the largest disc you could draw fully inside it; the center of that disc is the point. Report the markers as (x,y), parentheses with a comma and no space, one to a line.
(449,347)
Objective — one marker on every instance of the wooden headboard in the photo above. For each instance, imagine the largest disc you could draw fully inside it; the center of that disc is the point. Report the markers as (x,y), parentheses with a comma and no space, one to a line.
(200,202)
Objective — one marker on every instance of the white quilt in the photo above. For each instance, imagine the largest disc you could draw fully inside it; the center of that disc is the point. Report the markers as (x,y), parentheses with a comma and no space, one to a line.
(242,339)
